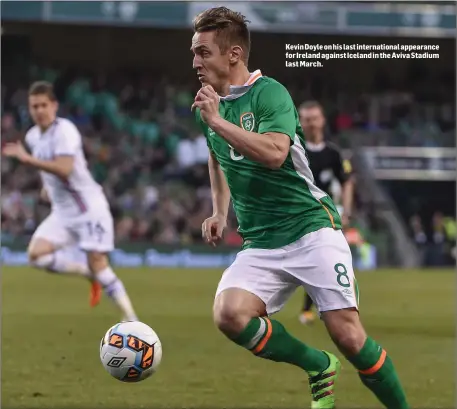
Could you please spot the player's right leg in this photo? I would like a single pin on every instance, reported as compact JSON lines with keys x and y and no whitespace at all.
{"x":322,"y":260}
{"x":95,"y":235}
{"x":250,"y":290}
{"x":375,"y":367}
{"x":44,"y":249}
{"x":111,"y":283}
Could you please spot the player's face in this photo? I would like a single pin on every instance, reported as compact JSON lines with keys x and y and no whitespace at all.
{"x":212,"y":66}
{"x":312,"y":121}
{"x":42,"y":110}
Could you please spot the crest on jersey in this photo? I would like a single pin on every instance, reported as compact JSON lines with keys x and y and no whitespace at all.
{"x":247,"y":121}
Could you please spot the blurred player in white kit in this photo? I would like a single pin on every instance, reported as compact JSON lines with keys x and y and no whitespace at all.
{"x":80,"y":211}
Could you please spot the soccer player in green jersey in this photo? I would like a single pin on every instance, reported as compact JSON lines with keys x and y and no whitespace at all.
{"x":291,"y":230}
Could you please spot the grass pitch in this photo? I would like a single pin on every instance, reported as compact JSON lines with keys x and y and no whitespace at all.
{"x":50,"y":343}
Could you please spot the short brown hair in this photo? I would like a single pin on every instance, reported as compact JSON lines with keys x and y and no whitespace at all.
{"x":43,"y":88}
{"x":230,"y":26}
{"x":310,"y":105}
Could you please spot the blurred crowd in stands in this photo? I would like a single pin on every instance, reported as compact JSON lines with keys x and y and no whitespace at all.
{"x":139,"y":132}
{"x":131,"y":158}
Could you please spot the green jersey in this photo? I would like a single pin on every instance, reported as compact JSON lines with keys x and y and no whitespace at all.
{"x":273,"y":207}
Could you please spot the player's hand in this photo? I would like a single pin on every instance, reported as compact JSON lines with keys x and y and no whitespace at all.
{"x":212,"y":229}
{"x":44,"y":195}
{"x":15,"y":150}
{"x":208,"y":102}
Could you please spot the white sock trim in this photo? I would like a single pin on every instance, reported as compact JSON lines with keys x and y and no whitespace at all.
{"x":106,"y":276}
{"x":258,"y":336}
{"x":114,"y":289}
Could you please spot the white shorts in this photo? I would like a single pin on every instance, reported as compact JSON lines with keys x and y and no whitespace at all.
{"x":320,"y":261}
{"x":92,"y":231}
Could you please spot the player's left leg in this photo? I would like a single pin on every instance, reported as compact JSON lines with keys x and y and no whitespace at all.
{"x":375,"y":367}
{"x":334,"y":288}
{"x":46,"y":249}
{"x":95,"y":232}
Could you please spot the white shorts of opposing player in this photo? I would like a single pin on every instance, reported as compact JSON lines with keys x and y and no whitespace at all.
{"x":320,"y":261}
{"x":92,"y":231}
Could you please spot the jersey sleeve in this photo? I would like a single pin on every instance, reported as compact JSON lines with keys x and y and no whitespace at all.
{"x":68,"y":140}
{"x":342,"y":168}
{"x":276,"y":111}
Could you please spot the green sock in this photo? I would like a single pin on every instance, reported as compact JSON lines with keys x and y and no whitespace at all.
{"x":378,"y":374}
{"x":269,"y":339}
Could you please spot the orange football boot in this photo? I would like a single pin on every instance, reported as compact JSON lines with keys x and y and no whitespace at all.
{"x":95,"y":293}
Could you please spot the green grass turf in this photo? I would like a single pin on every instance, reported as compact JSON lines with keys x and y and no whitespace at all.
{"x":51,"y":337}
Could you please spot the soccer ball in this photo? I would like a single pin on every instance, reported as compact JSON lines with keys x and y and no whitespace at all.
{"x":131,"y":351}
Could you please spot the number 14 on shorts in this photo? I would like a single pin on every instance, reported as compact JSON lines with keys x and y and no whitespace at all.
{"x":95,"y":229}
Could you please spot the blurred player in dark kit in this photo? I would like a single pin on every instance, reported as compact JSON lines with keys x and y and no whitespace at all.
{"x":326,"y":163}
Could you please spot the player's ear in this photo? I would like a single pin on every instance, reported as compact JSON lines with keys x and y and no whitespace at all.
{"x":236,"y":54}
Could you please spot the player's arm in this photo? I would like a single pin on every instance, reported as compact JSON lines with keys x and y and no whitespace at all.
{"x":66,"y":146}
{"x":276,"y":125}
{"x":219,"y":188}
{"x":61,"y":165}
{"x":269,"y":148}
{"x":347,"y":197}
{"x":343,"y":172}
